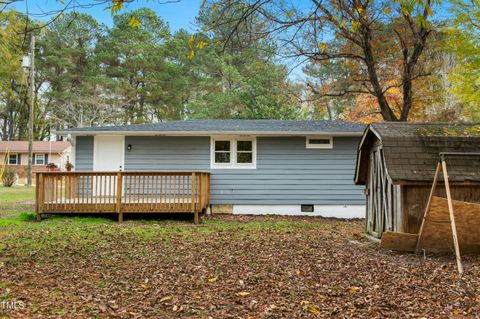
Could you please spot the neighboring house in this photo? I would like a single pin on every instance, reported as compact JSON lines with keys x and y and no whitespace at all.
{"x":44,"y":152}
{"x":256,"y":166}
{"x":397,"y":163}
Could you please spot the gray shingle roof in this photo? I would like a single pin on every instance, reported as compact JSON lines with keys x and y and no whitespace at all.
{"x":411,"y":150}
{"x":231,"y":126}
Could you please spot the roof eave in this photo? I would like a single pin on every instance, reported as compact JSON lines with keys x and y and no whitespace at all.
{"x":206,"y":133}
{"x":364,"y":134}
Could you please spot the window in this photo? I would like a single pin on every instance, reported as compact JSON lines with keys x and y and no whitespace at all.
{"x":13,"y":159}
{"x":245,"y":152}
{"x":319,"y":142}
{"x":39,"y":159}
{"x":222,"y":152}
{"x":233,"y":153}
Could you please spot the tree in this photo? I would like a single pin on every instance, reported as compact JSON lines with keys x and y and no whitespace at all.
{"x":361,"y":26}
{"x":244,"y":79}
{"x":465,"y":45}
{"x":323,"y":77}
{"x":13,"y":81}
{"x":70,"y":72}
{"x":134,"y":62}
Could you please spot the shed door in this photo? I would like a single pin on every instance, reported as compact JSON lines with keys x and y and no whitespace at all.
{"x":376,"y":195}
{"x":108,"y":153}
{"x":371,"y":212}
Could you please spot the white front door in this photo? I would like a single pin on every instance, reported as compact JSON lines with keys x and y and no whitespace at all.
{"x":108,"y":153}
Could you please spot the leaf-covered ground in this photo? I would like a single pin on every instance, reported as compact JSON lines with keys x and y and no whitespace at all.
{"x":229,"y":267}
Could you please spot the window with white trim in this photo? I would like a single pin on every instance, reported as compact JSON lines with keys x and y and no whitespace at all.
{"x":39,"y":159}
{"x":319,"y":142}
{"x":13,"y":159}
{"x":235,"y":152}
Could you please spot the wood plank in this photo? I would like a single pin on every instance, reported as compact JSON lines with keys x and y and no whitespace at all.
{"x":452,"y":218}
{"x":118,"y":197}
{"x":437,"y":233}
{"x":194,"y":182}
{"x":432,"y":191}
{"x":398,"y":241}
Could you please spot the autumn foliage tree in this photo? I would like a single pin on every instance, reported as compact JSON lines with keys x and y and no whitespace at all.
{"x":464,"y":42}
{"x":360,"y":28}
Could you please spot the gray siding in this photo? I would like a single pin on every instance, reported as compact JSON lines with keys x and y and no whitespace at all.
{"x":84,"y":153}
{"x":287,"y":172}
{"x":151,"y":153}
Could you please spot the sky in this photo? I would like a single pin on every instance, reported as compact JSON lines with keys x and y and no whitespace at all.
{"x":177,"y":13}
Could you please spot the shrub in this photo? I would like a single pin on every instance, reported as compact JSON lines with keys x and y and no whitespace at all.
{"x":9,"y":177}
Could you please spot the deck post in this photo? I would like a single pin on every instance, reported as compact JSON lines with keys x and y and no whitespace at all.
{"x":118,"y":197}
{"x":194,"y":185}
{"x":196,"y":218}
{"x":39,"y":198}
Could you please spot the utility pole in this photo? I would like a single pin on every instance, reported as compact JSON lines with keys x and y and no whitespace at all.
{"x":31,"y":114}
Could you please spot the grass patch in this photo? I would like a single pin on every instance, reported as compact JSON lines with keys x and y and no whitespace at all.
{"x":16,"y":194}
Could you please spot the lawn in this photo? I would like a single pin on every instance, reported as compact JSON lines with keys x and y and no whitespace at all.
{"x":228,"y":267}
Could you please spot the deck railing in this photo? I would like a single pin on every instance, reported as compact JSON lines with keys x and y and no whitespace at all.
{"x":122,"y":192}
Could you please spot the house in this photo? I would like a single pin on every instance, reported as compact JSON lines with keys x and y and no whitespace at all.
{"x":255,"y":166}
{"x":397,"y":162}
{"x":44,"y":152}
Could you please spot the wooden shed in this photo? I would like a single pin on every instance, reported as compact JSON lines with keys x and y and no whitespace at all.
{"x":397,"y":161}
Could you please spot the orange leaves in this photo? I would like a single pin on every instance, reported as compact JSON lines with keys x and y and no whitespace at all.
{"x":134,"y":22}
{"x":309,"y":307}
{"x":322,"y":46}
{"x":354,"y":26}
{"x":365,"y":110}
{"x":192,"y":45}
{"x":190,"y":54}
{"x":191,"y":41}
{"x":202,"y":44}
{"x":212,"y":279}
{"x":117,"y":6}
{"x":354,"y":289}
{"x":243,"y":293}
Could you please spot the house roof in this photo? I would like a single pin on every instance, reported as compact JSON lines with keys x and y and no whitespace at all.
{"x":38,"y":146}
{"x":411,"y":150}
{"x":208,"y":127}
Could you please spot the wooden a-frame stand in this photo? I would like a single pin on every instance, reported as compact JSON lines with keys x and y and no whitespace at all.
{"x":442,"y":167}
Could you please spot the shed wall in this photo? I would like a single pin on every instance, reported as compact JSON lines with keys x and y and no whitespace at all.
{"x":415,"y":199}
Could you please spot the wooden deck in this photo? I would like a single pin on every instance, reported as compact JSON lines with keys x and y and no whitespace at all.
{"x":122,"y":192}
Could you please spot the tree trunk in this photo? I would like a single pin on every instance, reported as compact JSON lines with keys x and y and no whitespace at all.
{"x":385,"y":109}
{"x":407,"y":98}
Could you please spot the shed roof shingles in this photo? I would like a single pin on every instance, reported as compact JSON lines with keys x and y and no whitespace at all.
{"x":412,"y":150}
